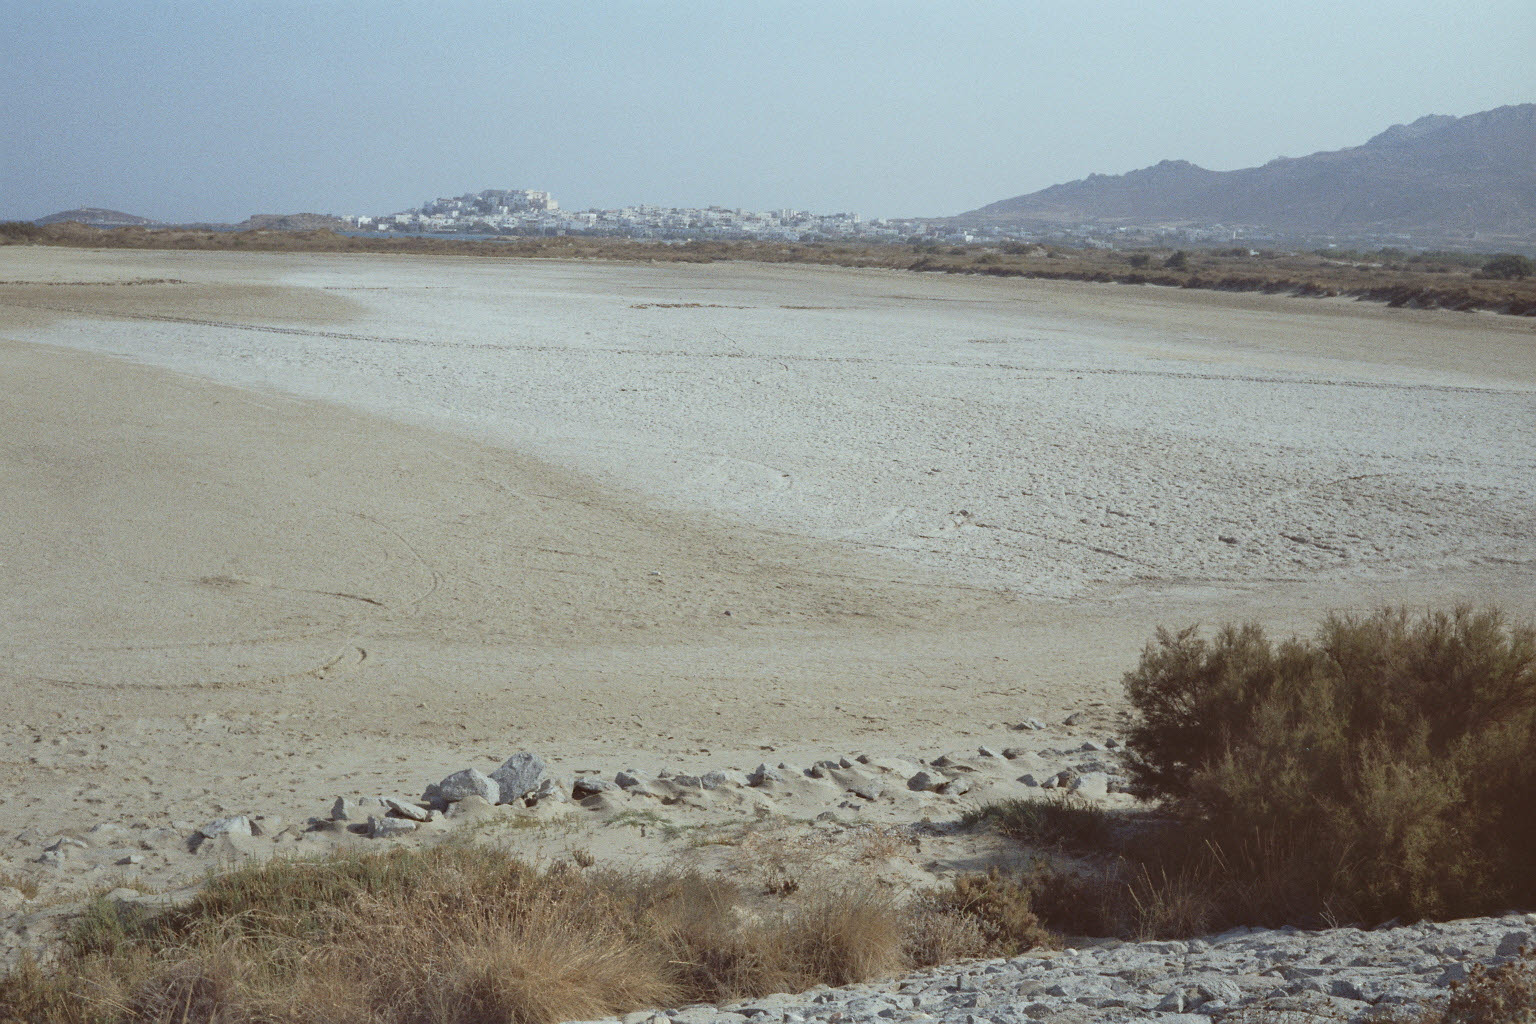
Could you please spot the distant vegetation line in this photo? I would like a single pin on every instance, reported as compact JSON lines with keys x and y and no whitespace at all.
{"x":1454,"y":281}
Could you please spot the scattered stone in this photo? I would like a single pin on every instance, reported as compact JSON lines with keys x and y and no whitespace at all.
{"x":722,"y":779}
{"x":986,"y":751}
{"x":764,"y":774}
{"x":386,"y":828}
{"x":926,"y":782}
{"x":629,"y":780}
{"x":466,"y":783}
{"x":401,"y":809}
{"x":587,"y":785}
{"x":237,"y":825}
{"x":957,"y":787}
{"x":517,"y":776}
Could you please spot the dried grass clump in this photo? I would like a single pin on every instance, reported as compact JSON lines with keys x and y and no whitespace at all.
{"x":454,"y":933}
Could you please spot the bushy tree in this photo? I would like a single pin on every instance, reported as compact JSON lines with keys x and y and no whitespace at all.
{"x":1393,"y":755}
{"x":1509,"y":266}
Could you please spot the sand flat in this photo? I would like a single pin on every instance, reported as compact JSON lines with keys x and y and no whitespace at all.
{"x":295,"y":523}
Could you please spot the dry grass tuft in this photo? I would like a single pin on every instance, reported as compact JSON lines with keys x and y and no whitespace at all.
{"x":454,"y":933}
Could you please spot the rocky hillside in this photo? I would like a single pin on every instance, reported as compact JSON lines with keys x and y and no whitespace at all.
{"x":94,"y":216}
{"x":1439,"y":176}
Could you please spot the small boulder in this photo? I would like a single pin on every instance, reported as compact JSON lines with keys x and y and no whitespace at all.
{"x":925,"y":782}
{"x":722,"y":779}
{"x":518,"y":775}
{"x":957,"y":786}
{"x":386,"y":828}
{"x":764,"y":774}
{"x":467,"y":783}
{"x":590,"y":785}
{"x":401,"y":809}
{"x":236,"y":825}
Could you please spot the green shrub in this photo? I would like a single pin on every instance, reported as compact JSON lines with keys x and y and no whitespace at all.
{"x":1509,"y":265}
{"x":1389,"y":757}
{"x":1178,"y":261}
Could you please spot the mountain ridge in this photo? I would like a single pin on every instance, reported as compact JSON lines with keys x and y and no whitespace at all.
{"x":1439,"y":175}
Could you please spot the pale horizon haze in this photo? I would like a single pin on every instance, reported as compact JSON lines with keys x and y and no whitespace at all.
{"x":214,"y":112}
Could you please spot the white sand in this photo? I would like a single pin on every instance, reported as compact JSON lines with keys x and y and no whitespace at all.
{"x":1044,"y":439}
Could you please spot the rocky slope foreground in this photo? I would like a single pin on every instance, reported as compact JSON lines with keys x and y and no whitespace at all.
{"x":888,"y":820}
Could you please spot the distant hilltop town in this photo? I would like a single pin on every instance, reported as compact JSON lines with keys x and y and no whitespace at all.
{"x":531,"y":212}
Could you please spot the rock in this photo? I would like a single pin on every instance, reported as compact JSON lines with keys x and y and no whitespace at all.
{"x":131,"y":860}
{"x":1092,"y":786}
{"x":1030,"y":780}
{"x":629,"y":780}
{"x":957,"y":787}
{"x":687,"y":781}
{"x":1076,"y":718}
{"x":986,"y":751}
{"x":517,"y":776}
{"x":1219,"y":990}
{"x":722,"y":779}
{"x":1028,"y":724}
{"x":1014,"y":753}
{"x":467,"y":783}
{"x":867,"y":789}
{"x":926,"y":782}
{"x":237,"y":825}
{"x":386,"y":828}
{"x":1513,"y":942}
{"x":762,"y":774}
{"x":589,"y":785}
{"x":401,"y":809}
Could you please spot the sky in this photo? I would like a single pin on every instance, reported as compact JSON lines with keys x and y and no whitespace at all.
{"x":215,"y":111}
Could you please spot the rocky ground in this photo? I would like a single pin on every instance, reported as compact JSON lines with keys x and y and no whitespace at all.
{"x":1278,"y":976}
{"x":889,"y":819}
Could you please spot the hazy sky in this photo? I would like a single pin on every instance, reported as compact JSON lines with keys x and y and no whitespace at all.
{"x":216,"y":110}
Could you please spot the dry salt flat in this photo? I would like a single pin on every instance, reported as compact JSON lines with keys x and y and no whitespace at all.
{"x":1049,"y":441}
{"x":280,"y":528}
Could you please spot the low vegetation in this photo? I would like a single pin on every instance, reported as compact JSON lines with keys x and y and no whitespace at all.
{"x":1457,"y":281}
{"x":1380,"y":769}
{"x":461,"y":933}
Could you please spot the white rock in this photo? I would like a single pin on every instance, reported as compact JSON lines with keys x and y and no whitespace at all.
{"x":385,"y":828}
{"x":469,"y":782}
{"x":518,"y":776}
{"x":237,"y":825}
{"x":406,"y":810}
